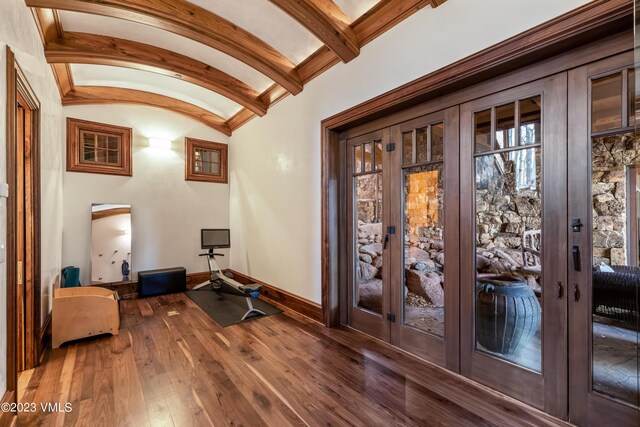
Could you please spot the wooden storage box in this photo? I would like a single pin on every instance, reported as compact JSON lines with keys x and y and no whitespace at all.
{"x":83,"y":312}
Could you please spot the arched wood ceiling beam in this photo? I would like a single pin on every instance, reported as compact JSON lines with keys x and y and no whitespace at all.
{"x":83,"y":48}
{"x":90,"y":95}
{"x":188,"y":20}
{"x":327,"y":22}
{"x":49,"y":26}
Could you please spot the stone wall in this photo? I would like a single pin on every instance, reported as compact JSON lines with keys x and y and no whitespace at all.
{"x":610,"y":157}
{"x":368,"y":195}
{"x":508,"y":203}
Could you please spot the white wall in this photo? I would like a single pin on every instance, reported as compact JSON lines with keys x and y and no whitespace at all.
{"x":19,"y":32}
{"x":275,"y":160}
{"x":167,"y":212}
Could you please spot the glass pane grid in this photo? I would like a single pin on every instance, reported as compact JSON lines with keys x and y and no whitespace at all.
{"x":508,"y":217}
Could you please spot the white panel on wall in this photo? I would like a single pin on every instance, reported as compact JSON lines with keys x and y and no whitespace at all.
{"x":102,"y":75}
{"x":119,"y":28}
{"x":167,"y":212}
{"x":275,"y":160}
{"x":18,"y":31}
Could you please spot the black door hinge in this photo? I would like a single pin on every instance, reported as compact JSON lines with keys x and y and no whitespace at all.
{"x":391,"y":229}
{"x":391,"y":147}
{"x":391,"y":317}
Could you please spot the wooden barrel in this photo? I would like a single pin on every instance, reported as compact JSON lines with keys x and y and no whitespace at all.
{"x":507,"y":314}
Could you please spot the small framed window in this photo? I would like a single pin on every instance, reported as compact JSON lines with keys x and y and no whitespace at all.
{"x":206,"y":161}
{"x":98,"y":148}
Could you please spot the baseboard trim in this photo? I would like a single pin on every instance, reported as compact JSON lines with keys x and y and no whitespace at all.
{"x":7,"y":418}
{"x":282,"y":299}
{"x":44,"y":338}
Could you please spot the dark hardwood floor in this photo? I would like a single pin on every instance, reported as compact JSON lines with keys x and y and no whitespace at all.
{"x":172,"y":365}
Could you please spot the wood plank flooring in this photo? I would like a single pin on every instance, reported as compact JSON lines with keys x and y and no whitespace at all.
{"x":185,"y":370}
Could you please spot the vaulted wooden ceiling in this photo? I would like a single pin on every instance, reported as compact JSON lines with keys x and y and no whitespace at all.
{"x":221,"y":62}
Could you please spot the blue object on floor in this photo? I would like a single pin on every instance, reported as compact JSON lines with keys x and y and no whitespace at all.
{"x":71,"y":277}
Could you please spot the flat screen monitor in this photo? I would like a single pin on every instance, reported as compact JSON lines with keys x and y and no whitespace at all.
{"x":213,"y":238}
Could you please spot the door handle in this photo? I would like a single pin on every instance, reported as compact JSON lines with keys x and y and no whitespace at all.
{"x":575,"y":252}
{"x":576,"y":292}
{"x":386,"y":240}
{"x":560,"y":290}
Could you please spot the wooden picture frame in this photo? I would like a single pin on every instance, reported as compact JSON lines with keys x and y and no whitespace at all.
{"x":75,"y":159}
{"x":191,"y":162}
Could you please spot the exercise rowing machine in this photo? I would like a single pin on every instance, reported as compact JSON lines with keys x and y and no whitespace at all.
{"x":221,"y":283}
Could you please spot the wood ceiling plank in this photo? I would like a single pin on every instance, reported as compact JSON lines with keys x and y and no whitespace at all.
{"x":327,"y":22}
{"x":96,"y":95}
{"x":83,"y":48}
{"x":188,"y":20}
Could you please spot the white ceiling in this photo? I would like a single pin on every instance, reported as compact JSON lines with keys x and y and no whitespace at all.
{"x":267,"y":22}
{"x":102,"y":75}
{"x":113,"y":27}
{"x":261,"y":18}
{"x":354,"y":9}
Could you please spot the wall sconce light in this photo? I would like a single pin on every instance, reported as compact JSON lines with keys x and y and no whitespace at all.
{"x":161,"y":144}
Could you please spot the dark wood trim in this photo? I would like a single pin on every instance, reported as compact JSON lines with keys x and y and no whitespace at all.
{"x":109,"y":212}
{"x":44,"y":338}
{"x":593,"y":21}
{"x":196,"y":23}
{"x":590,"y":23}
{"x":189,"y":152}
{"x":12,"y":267}
{"x":74,"y":147}
{"x":83,"y":48}
{"x":99,"y":95}
{"x":281,"y":298}
{"x":8,"y":418}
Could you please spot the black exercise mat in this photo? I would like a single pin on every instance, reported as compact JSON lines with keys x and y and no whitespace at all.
{"x":228,"y":309}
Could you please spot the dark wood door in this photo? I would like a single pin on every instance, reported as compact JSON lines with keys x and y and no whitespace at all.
{"x":424,"y":266}
{"x":368,"y":249}
{"x":513,"y":242}
{"x":604,"y":150}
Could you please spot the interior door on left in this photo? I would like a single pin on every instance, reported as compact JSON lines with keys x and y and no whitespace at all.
{"x":368,"y":240}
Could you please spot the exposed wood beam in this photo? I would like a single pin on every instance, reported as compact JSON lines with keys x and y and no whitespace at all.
{"x":436,"y":3}
{"x":50,"y":28}
{"x":186,"y":19}
{"x":64,"y":79}
{"x":327,"y":22}
{"x":382,"y":17}
{"x":83,"y":48}
{"x":99,"y":214}
{"x":89,"y":95}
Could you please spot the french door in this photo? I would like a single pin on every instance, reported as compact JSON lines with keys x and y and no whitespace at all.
{"x":603,"y":201}
{"x":500,"y":238}
{"x":513,"y":242}
{"x":404,"y":264}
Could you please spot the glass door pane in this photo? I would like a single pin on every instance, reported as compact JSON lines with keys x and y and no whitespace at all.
{"x":616,"y":272}
{"x":368,"y":241}
{"x":513,"y":238}
{"x":368,"y":295}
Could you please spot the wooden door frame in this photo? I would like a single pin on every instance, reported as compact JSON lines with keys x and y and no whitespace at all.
{"x":369,"y":322}
{"x":17,"y":84}
{"x":601,"y":23}
{"x":547,"y":389}
{"x":584,"y":404}
{"x":442,"y":350}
